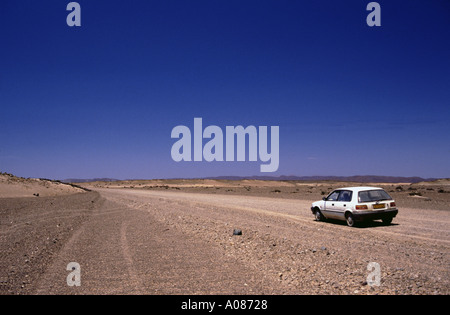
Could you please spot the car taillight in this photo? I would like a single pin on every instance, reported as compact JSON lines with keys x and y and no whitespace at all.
{"x":361,"y":207}
{"x":392,"y":204}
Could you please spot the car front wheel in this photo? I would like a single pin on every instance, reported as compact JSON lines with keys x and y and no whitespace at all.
{"x":318,"y":215}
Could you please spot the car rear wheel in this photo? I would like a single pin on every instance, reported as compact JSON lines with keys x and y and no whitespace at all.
{"x":387,"y":221}
{"x":350,"y":220}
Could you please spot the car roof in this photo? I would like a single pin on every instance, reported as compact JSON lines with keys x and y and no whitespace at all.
{"x":360,"y":188}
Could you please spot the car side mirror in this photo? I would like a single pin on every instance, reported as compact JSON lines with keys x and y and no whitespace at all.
{"x":324,"y":198}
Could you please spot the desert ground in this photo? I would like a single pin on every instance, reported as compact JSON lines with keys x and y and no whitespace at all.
{"x":167,"y":237}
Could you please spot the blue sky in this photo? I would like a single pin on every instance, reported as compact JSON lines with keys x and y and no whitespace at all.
{"x":101,"y":100}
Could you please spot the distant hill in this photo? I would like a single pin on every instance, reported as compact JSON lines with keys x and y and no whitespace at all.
{"x":81,"y":180}
{"x":356,"y":178}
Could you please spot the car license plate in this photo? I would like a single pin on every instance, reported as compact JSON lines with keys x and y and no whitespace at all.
{"x":379,"y":206}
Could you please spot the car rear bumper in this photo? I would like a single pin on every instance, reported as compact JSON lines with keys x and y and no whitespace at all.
{"x":374,"y":214}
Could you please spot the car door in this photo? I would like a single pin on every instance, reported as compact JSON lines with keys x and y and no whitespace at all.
{"x":330,"y":206}
{"x":340,"y":205}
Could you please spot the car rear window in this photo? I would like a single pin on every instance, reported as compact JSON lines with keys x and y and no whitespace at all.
{"x":373,"y":195}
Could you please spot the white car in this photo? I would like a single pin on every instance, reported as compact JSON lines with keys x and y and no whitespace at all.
{"x":355,"y":204}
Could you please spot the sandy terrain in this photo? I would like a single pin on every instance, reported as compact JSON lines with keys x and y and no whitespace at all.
{"x":426,"y":195}
{"x":13,"y":187}
{"x":176,"y":237}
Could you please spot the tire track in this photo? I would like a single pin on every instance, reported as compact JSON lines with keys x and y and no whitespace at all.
{"x":135,"y":279}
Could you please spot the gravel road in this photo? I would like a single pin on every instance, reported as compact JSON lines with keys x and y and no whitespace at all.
{"x":131,"y":241}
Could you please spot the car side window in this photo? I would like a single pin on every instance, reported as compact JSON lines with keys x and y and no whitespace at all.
{"x":345,"y":195}
{"x":333,"y":196}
